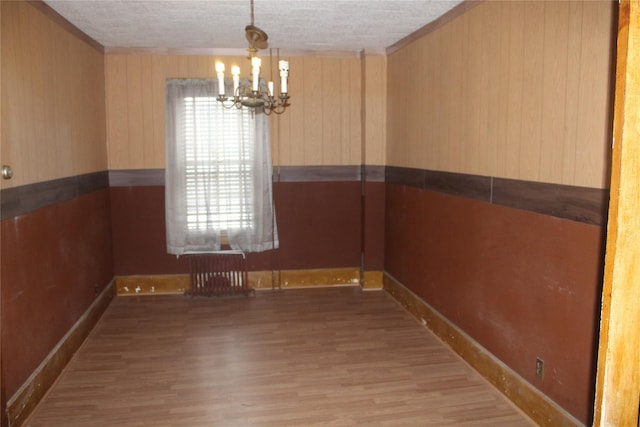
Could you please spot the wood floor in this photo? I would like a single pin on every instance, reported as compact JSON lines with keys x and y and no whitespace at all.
{"x":310,"y":357}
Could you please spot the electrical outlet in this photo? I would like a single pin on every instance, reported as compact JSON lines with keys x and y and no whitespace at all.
{"x":539,"y":368}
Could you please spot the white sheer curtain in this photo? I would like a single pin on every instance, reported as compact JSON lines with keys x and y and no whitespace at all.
{"x":218,"y":173}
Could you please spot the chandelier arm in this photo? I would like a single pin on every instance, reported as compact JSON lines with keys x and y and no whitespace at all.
{"x":234,"y":102}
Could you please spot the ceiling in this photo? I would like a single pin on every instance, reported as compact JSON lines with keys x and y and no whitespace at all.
{"x":319,"y":25}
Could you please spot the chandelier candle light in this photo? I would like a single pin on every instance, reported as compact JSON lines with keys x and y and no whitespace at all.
{"x":254,"y":96}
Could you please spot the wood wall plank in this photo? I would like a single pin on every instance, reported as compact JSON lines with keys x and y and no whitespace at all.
{"x":344,"y":99}
{"x":331,"y":86}
{"x":572,"y":92}
{"x":397,"y":108}
{"x":413,"y":84}
{"x":501,"y":112}
{"x":117,"y":111}
{"x":533,"y":67}
{"x":375,"y":105}
{"x":296,"y":115}
{"x":515,"y":96}
{"x":158,"y":80}
{"x":456,"y":95}
{"x":522,"y":91}
{"x":355,"y":113}
{"x":593,"y":159}
{"x":147,"y":111}
{"x":492,"y":109}
{"x":435,"y":91}
{"x":135,"y":107}
{"x":556,"y":16}
{"x":312,"y":135}
{"x":474,"y":32}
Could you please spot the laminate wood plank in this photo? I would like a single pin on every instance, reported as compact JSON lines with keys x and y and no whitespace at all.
{"x":328,"y":356}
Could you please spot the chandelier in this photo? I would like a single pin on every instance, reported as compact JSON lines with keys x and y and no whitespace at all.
{"x":253,"y":94}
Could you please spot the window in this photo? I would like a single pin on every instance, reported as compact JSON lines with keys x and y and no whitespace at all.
{"x":211,"y":149}
{"x":218,"y":174}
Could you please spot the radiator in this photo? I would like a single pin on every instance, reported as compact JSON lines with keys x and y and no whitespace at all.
{"x":218,"y":274}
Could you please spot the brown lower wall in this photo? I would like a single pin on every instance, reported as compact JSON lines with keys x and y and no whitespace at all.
{"x":319,"y":225}
{"x":374,"y":202}
{"x":522,"y":284}
{"x":55,"y":261}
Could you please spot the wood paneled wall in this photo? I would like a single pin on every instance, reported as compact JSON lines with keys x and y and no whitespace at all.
{"x":53,"y":106}
{"x":510,"y":89}
{"x":322,"y":126}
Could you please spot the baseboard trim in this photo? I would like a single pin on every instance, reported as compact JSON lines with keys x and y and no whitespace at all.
{"x":152,"y":284}
{"x":24,"y":401}
{"x":179,"y":283}
{"x":529,"y":399}
{"x":372,"y":280}
{"x":304,"y":278}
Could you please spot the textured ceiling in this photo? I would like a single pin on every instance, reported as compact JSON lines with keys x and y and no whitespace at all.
{"x":335,"y":25}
